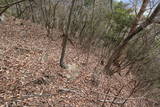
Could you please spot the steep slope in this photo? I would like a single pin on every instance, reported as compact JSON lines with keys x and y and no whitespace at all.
{"x":30,"y":74}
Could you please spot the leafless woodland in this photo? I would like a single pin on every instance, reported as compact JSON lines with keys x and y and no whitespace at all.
{"x":80,"y":53}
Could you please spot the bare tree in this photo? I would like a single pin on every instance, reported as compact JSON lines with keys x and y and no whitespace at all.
{"x":5,"y":7}
{"x":135,"y":29}
{"x":65,"y":36}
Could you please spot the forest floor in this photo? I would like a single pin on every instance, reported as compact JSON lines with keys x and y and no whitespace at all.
{"x":30,"y":74}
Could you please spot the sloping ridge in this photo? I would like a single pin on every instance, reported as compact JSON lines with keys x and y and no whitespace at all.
{"x":30,"y":74}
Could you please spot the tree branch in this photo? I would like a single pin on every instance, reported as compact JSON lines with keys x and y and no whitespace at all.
{"x":9,"y":5}
{"x":139,"y":15}
{"x":117,"y":52}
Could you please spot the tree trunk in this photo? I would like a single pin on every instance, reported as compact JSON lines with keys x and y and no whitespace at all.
{"x":65,"y":35}
{"x":134,"y":30}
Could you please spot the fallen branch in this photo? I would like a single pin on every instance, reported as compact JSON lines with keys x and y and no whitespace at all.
{"x":122,"y":102}
{"x":27,"y":97}
{"x":132,"y":92}
{"x":105,"y":97}
{"x":131,"y":98}
{"x":65,"y":90}
{"x":111,"y":101}
{"x":117,"y":95}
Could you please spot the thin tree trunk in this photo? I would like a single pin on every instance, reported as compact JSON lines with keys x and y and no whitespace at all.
{"x":54,"y":13}
{"x":32,"y":16}
{"x":64,"y":43}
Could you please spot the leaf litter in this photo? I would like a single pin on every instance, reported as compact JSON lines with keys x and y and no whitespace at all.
{"x":30,"y":74}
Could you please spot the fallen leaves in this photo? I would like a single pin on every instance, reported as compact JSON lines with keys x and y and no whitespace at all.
{"x":30,"y":74}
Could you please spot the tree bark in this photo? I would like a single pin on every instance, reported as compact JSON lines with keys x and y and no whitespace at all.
{"x":134,"y":30}
{"x":64,"y":43}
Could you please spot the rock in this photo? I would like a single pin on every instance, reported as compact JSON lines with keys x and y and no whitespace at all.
{"x":75,"y":75}
{"x":2,"y":18}
{"x":68,"y":76}
{"x":72,"y":67}
{"x":72,"y":75}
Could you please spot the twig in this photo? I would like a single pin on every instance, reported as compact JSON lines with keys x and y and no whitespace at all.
{"x":29,"y":96}
{"x":133,"y":91}
{"x":111,"y":101}
{"x":105,"y":98}
{"x":64,"y":90}
{"x":9,"y":5}
{"x":117,"y":95}
{"x":131,"y":98}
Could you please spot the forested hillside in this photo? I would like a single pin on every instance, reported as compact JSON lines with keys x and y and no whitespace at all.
{"x":80,"y":53}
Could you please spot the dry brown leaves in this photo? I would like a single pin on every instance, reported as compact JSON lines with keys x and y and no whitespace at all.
{"x":30,"y":74}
